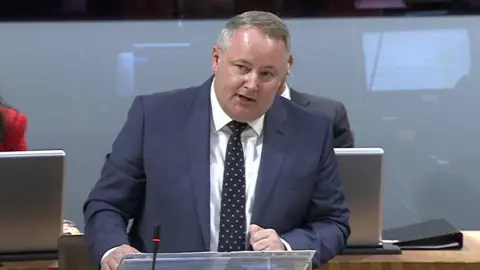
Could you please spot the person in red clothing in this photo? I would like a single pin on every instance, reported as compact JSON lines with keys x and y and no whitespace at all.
{"x":13,"y":125}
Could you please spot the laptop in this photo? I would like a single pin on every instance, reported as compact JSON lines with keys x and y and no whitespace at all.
{"x":31,"y":203}
{"x":361,"y":177}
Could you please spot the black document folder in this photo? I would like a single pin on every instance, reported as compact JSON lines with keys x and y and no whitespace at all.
{"x":429,"y":235}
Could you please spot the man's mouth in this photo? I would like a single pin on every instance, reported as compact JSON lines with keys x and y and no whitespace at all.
{"x":245,"y":98}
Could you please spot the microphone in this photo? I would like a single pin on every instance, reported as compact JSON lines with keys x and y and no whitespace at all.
{"x":156,"y":243}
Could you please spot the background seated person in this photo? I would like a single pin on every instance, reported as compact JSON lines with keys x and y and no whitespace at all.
{"x":335,"y":110}
{"x":13,"y":125}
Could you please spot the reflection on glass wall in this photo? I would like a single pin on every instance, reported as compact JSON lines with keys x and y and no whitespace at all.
{"x":208,"y":9}
{"x":427,"y":59}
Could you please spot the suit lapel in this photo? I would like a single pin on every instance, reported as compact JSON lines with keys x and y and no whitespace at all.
{"x":275,"y":142}
{"x":197,"y":142}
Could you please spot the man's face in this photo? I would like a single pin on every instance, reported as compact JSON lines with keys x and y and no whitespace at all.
{"x":249,"y":73}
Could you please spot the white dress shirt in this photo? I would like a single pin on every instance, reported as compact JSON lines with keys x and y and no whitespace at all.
{"x":286,"y":92}
{"x":252,"y":141}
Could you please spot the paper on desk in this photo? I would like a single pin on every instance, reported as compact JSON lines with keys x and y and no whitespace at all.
{"x":432,"y":247}
{"x":385,"y":241}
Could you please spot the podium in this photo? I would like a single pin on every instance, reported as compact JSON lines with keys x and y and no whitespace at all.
{"x":244,"y":260}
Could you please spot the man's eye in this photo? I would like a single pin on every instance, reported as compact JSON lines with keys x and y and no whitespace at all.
{"x":267,"y":74}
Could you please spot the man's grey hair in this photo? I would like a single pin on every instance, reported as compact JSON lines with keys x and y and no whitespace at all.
{"x":269,"y":24}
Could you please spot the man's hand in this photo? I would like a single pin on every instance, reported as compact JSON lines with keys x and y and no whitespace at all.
{"x":265,"y":239}
{"x":112,"y":260}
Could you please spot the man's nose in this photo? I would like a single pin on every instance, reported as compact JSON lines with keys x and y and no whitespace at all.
{"x":251,"y":81}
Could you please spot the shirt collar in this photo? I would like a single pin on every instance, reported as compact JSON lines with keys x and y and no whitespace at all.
{"x":286,"y":92}
{"x":221,"y":119}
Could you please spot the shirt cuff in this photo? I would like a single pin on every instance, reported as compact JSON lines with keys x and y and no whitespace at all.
{"x":108,"y":252}
{"x":287,"y":246}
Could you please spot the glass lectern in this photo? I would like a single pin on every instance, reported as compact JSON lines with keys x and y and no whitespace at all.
{"x":245,"y":260}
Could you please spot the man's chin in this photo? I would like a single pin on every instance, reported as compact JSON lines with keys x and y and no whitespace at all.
{"x":244,"y":116}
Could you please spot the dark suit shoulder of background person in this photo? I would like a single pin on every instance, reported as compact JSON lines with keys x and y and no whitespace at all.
{"x":13,"y":125}
{"x":343,"y":135}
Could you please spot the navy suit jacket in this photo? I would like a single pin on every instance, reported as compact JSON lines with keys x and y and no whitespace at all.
{"x":158,"y":172}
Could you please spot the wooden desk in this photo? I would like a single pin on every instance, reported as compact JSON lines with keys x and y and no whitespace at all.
{"x":44,"y":265}
{"x":466,"y":259}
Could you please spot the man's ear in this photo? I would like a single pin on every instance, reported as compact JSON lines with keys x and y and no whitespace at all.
{"x":289,"y":64}
{"x":216,"y":52}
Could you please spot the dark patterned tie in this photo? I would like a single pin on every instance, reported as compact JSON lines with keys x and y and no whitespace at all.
{"x":232,"y":211}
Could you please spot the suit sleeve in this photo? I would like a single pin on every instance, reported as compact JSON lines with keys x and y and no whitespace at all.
{"x":326,"y":228}
{"x":116,"y":197}
{"x":342,"y":131}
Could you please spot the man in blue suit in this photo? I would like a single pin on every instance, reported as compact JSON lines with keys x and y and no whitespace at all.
{"x":225,"y":166}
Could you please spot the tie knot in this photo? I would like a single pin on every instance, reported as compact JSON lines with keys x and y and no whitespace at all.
{"x":236,"y":127}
